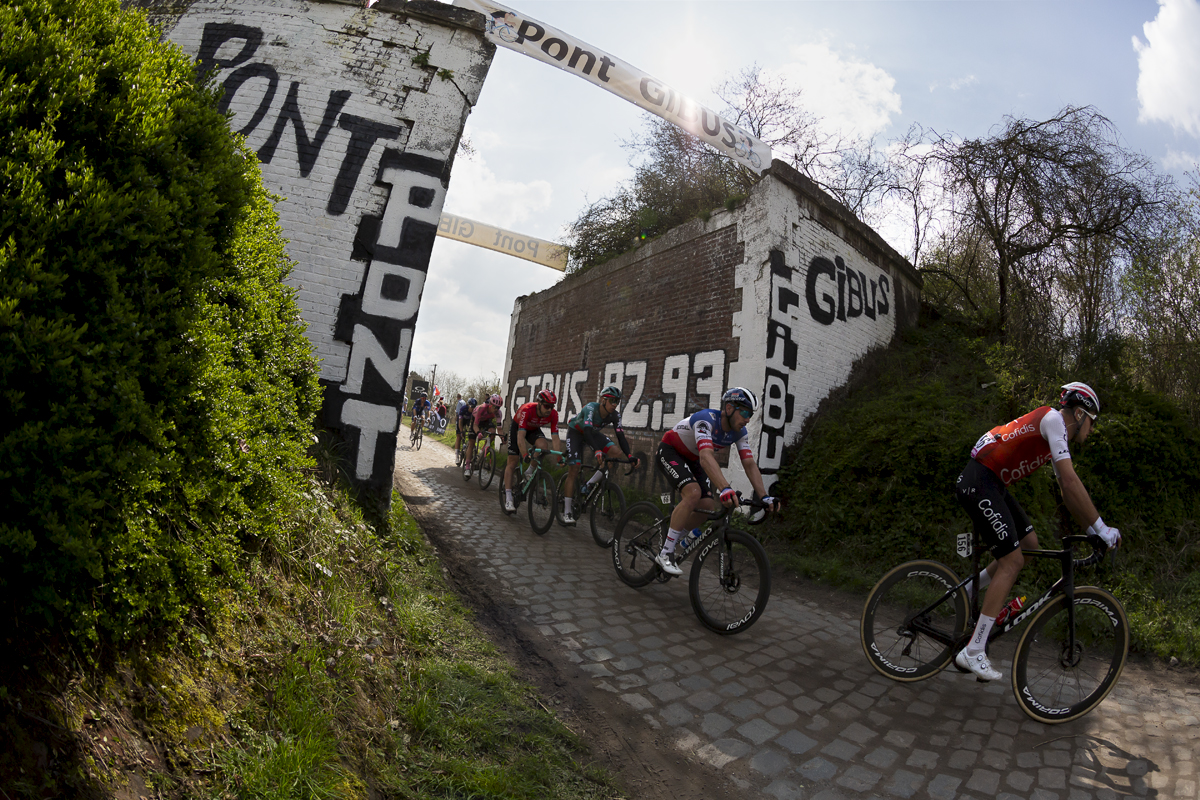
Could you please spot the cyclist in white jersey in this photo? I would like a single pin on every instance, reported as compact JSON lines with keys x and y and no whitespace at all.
{"x":687,"y":457}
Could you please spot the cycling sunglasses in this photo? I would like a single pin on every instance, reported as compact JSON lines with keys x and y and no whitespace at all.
{"x":746,"y":411}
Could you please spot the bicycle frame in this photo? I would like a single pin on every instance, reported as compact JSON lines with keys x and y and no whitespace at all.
{"x":1065,"y":585}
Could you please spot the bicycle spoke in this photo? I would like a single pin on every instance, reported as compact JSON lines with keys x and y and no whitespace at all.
{"x":902,"y":643}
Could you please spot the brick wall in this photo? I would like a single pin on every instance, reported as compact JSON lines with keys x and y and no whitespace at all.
{"x":355,"y":114}
{"x":780,"y":296}
{"x":585,"y":329}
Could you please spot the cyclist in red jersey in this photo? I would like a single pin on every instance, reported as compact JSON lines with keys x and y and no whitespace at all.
{"x":1001,"y":457}
{"x":526,"y":432}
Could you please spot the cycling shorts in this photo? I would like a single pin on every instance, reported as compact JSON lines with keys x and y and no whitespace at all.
{"x":679,"y":471}
{"x":531,"y":436}
{"x":588,"y":437}
{"x":996,"y":515}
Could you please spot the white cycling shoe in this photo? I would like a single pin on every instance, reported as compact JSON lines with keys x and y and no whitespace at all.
{"x":568,"y":520}
{"x":667,"y":563}
{"x":510,"y":507}
{"x":977,"y":664}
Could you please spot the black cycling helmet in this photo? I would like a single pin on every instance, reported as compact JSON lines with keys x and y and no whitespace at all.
{"x":740,"y":397}
{"x":1082,"y":395}
{"x":613,"y":392}
{"x":472,"y":402}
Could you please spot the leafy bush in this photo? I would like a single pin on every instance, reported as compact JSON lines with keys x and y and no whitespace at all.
{"x":870,"y":483}
{"x":157,"y":390}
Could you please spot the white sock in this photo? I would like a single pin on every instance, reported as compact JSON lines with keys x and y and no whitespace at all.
{"x":596,"y":476}
{"x":672,"y":537}
{"x":567,"y":504}
{"x":979,"y":639}
{"x":508,"y":495}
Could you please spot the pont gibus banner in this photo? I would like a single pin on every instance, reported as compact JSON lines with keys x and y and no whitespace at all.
{"x":539,"y":251}
{"x":511,"y":29}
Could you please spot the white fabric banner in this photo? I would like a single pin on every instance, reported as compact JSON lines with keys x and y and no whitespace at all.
{"x":539,"y":251}
{"x":510,"y":29}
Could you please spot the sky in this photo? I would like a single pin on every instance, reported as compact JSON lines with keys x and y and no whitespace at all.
{"x":547,"y":143}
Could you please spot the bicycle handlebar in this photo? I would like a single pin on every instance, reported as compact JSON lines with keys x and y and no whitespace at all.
{"x":622,"y":460}
{"x":1099,"y":548}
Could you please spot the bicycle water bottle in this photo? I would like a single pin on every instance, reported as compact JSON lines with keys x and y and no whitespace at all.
{"x":687,"y":540}
{"x":1014,"y":605}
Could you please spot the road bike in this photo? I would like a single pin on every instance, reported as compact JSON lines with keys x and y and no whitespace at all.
{"x":1068,"y":659}
{"x":603,"y":501}
{"x":483,"y":463}
{"x":416,"y":432}
{"x":536,"y":488}
{"x":730,"y":579}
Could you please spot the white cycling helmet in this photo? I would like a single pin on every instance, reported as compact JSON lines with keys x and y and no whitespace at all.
{"x":1079,"y":394}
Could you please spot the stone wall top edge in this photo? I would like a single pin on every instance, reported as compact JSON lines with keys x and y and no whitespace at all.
{"x":676,"y":237}
{"x":805,"y":186}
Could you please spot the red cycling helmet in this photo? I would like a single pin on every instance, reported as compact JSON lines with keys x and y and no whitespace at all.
{"x":1080,"y":394}
{"x":546,"y":396}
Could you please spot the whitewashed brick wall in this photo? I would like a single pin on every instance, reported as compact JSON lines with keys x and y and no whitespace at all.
{"x":355,"y":114}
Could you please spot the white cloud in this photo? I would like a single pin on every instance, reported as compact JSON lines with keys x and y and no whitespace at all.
{"x":852,"y":96}
{"x":1180,"y":161}
{"x":476,"y":192}
{"x":1169,"y":66}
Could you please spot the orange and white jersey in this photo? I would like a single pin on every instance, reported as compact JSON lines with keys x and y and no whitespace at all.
{"x":1017,"y":449}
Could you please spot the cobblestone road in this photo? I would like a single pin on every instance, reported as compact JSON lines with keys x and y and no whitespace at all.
{"x":790,"y":708}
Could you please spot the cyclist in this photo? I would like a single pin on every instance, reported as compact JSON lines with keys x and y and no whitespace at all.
{"x":1001,"y":457}
{"x":687,"y":456}
{"x":584,"y":429}
{"x":484,"y":420}
{"x":526,"y":431}
{"x":463,"y":414}
{"x":420,"y":406}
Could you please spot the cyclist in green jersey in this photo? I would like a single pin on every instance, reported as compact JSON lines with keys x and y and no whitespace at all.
{"x":584,"y":429}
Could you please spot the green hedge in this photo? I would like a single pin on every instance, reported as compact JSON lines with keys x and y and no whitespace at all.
{"x":871,"y":482}
{"x":156,"y":389}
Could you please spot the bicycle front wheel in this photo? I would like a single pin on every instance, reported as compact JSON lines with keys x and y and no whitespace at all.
{"x":540,"y":499}
{"x":730,"y":582}
{"x":420,"y":436}
{"x":639,"y":537}
{"x":906,"y":632}
{"x":486,"y":468}
{"x":1056,"y":681}
{"x":607,"y":509}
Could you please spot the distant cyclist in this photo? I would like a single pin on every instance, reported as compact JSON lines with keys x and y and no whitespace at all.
{"x":1001,"y":457}
{"x":584,"y":430}
{"x":486,"y":418}
{"x":526,"y":432}
{"x":687,"y":456}
{"x":420,"y":406}
{"x":464,"y":413}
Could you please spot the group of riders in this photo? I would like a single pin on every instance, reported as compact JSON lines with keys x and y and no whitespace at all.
{"x":687,"y":454}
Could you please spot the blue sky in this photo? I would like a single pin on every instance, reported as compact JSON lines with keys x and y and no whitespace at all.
{"x":547,"y":142}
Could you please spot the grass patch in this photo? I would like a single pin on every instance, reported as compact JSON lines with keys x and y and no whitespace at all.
{"x":346,"y":670}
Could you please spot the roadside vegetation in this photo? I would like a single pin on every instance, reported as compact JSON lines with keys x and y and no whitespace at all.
{"x":190,"y":604}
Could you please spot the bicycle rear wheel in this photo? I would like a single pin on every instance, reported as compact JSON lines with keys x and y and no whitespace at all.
{"x":486,"y":467}
{"x":607,"y":509}
{"x":898,"y":633}
{"x":1057,"y":683}
{"x":638,"y":538}
{"x":540,"y":499}
{"x":730,"y":582}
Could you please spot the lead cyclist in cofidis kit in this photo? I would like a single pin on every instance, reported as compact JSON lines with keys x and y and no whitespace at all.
{"x":1001,"y":457}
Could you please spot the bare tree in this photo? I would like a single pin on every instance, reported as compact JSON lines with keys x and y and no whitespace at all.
{"x":1038,"y":185}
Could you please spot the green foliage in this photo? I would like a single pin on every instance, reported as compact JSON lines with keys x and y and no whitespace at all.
{"x":156,"y":388}
{"x":870,"y":483}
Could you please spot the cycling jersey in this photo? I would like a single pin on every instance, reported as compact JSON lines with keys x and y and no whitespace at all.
{"x":1016,"y":450}
{"x":590,"y":419}
{"x":528,"y":418}
{"x":702,"y":431}
{"x":486,"y":416}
